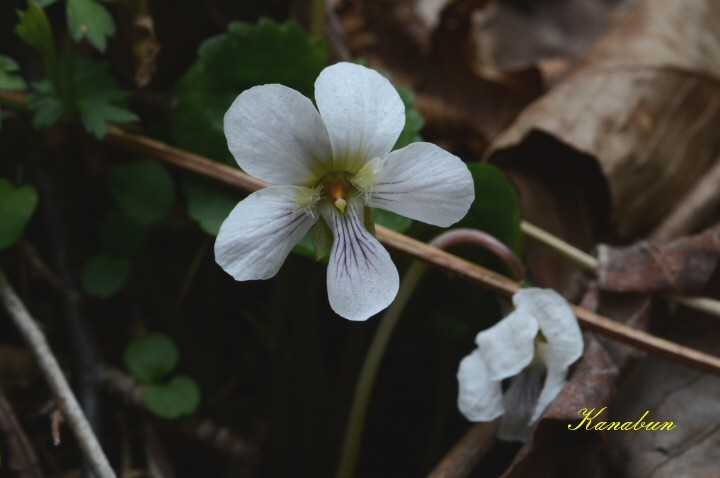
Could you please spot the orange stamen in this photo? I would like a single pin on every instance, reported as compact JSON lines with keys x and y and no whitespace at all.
{"x":336,"y":190}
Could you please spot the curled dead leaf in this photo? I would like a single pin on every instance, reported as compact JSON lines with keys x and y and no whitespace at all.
{"x":683,"y":266}
{"x":644,"y":103}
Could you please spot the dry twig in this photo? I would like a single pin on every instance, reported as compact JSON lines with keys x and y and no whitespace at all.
{"x":461,"y":460}
{"x":56,"y":380}
{"x":419,"y":250}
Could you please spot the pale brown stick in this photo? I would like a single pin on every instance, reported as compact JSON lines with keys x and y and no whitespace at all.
{"x":589,"y":263}
{"x":693,"y":209}
{"x":419,"y":250}
{"x":462,"y":458}
{"x":56,"y":380}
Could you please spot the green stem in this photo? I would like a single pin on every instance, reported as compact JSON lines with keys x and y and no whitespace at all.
{"x":317,"y":19}
{"x":366,"y":381}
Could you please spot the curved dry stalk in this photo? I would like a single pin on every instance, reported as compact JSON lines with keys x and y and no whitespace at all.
{"x":419,"y":250}
{"x":56,"y":380}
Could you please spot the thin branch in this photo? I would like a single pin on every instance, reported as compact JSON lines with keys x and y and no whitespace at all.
{"x":583,"y":259}
{"x":462,"y":459}
{"x":56,"y":380}
{"x":591,"y":264}
{"x":419,"y":250}
{"x":200,"y":429}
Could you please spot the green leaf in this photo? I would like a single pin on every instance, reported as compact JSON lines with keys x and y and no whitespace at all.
{"x":178,"y":398}
{"x":121,"y":235}
{"x":46,"y":3}
{"x":105,"y":275}
{"x":245,"y":56}
{"x":391,"y":220}
{"x":414,"y":121}
{"x":34,"y":29}
{"x":10,"y":79}
{"x":47,"y":107}
{"x":16,"y":208}
{"x":143,"y":190}
{"x":88,"y":19}
{"x":96,"y":98}
{"x":496,"y":209}
{"x":305,"y":247}
{"x":99,"y":100}
{"x":209,"y":205}
{"x":150,"y":359}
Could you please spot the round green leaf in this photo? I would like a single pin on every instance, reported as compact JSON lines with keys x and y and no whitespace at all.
{"x":16,"y":207}
{"x":121,"y":235}
{"x":210,"y":205}
{"x":151,"y":358}
{"x":264,"y":53}
{"x":144,"y":190}
{"x":105,"y":275}
{"x":177,"y":398}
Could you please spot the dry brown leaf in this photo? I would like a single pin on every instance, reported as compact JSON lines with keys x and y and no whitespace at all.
{"x":683,"y":266}
{"x":463,"y":105}
{"x":645,"y":104}
{"x":554,"y":450}
{"x":512,"y":35}
{"x":671,"y":392}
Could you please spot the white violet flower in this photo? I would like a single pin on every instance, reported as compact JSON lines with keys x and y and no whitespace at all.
{"x":535,"y":344}
{"x":330,"y":164}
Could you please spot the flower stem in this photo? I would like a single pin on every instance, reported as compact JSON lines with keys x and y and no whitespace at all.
{"x":317,"y":19}
{"x":368,"y":374}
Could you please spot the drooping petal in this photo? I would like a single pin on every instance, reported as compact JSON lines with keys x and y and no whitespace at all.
{"x":363,"y":113}
{"x":259,"y":233}
{"x":555,"y":378}
{"x":508,"y":346}
{"x":520,"y":401}
{"x":479,"y":396}
{"x":557,"y":322}
{"x":424,"y":182}
{"x":277,"y":135}
{"x":361,"y":278}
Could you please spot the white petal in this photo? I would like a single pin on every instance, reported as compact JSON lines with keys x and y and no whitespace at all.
{"x":276,"y":135}
{"x":424,"y":182}
{"x":555,"y":379}
{"x":361,"y":278}
{"x":557,"y":322}
{"x":259,"y":233}
{"x":479,"y":396}
{"x":508,"y":346}
{"x":363,"y":113}
{"x":520,"y":401}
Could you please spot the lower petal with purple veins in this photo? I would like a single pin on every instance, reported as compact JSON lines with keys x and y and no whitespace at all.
{"x":362,"y":279}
